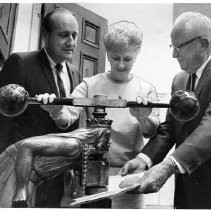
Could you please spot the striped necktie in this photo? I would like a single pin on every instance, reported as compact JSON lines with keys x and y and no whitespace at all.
{"x":59,"y":80}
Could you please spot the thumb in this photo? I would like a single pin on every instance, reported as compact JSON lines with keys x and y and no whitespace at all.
{"x":124,"y":184}
{"x":124,"y":170}
{"x":120,"y":171}
{"x":143,"y":188}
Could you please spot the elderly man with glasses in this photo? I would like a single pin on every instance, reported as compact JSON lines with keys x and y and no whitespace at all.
{"x":191,"y":160}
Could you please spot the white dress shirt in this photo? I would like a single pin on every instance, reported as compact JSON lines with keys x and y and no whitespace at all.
{"x":64,"y":75}
{"x":64,"y":119}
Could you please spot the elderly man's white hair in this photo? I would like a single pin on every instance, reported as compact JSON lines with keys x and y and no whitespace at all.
{"x":197,"y":23}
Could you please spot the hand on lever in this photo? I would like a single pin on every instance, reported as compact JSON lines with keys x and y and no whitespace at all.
{"x":54,"y":110}
{"x":141,"y":113}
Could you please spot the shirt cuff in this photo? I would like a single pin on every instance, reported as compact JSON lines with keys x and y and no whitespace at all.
{"x":146,"y":159}
{"x":58,"y":116}
{"x":181,"y":169}
{"x":62,"y":121}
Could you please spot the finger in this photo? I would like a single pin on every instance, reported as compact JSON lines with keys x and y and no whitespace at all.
{"x":39,"y":97}
{"x":149,"y":100}
{"x":121,"y":171}
{"x":124,"y":184}
{"x":51,"y":98}
{"x":146,"y":185}
{"x":133,"y":181}
{"x":145,"y":189}
{"x":45,"y":98}
{"x":134,"y":191}
{"x":139,"y":100}
{"x":142,"y":189}
{"x":124,"y":169}
{"x":145,"y":100}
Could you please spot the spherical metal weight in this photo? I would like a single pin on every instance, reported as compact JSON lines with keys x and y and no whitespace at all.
{"x":184,"y":105}
{"x":13,"y":100}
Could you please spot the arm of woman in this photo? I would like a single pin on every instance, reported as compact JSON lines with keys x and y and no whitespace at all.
{"x":147,"y":117}
{"x":150,"y":123}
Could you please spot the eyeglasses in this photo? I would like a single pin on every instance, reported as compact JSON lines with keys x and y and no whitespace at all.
{"x":179,"y":46}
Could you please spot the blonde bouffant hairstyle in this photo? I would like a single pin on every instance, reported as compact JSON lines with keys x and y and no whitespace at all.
{"x":123,"y":34}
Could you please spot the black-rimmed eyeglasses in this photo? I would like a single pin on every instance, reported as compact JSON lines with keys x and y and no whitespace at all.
{"x":179,"y":46}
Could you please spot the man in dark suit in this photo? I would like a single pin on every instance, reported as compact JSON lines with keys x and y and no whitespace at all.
{"x":191,"y":160}
{"x":38,"y":73}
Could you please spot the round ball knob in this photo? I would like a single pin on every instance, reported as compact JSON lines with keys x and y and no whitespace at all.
{"x":13,"y":100}
{"x":184,"y":105}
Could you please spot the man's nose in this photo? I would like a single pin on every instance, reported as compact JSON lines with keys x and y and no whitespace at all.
{"x":71,"y":40}
{"x":121,"y":63}
{"x":175,"y":52}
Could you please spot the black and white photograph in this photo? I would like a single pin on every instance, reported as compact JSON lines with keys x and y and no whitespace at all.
{"x":105,"y":104}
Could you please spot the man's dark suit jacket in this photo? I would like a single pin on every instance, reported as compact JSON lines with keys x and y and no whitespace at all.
{"x":32,"y":71}
{"x":193,"y":145}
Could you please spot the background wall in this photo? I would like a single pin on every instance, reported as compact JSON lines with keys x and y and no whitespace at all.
{"x":197,"y":7}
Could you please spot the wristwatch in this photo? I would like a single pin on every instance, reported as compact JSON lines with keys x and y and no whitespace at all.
{"x":174,"y":165}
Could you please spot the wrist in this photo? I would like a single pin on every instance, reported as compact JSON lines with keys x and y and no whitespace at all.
{"x":142,"y":120}
{"x":173,"y":165}
{"x":56,"y":115}
{"x":142,"y":162}
{"x":142,"y":157}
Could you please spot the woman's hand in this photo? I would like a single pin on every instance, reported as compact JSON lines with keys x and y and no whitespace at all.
{"x":141,"y":113}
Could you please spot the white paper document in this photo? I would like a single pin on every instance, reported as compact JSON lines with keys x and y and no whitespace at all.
{"x":113,"y":189}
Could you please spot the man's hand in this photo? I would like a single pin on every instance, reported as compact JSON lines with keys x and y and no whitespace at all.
{"x":54,"y":110}
{"x":141,"y":113}
{"x":135,"y":165}
{"x":153,"y":179}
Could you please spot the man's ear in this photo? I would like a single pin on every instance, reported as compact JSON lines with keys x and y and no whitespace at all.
{"x":204,"y":43}
{"x":44,"y":35}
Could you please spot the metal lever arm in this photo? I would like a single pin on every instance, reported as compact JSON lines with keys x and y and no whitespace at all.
{"x":14,"y":99}
{"x":84,"y":102}
{"x":98,"y":102}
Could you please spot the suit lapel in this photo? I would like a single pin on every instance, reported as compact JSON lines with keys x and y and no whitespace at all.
{"x":69,"y":71}
{"x":203,"y":79}
{"x":47,"y":70}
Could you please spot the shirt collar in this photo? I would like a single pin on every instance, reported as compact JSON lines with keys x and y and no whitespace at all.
{"x":201,"y":68}
{"x":52,"y":63}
